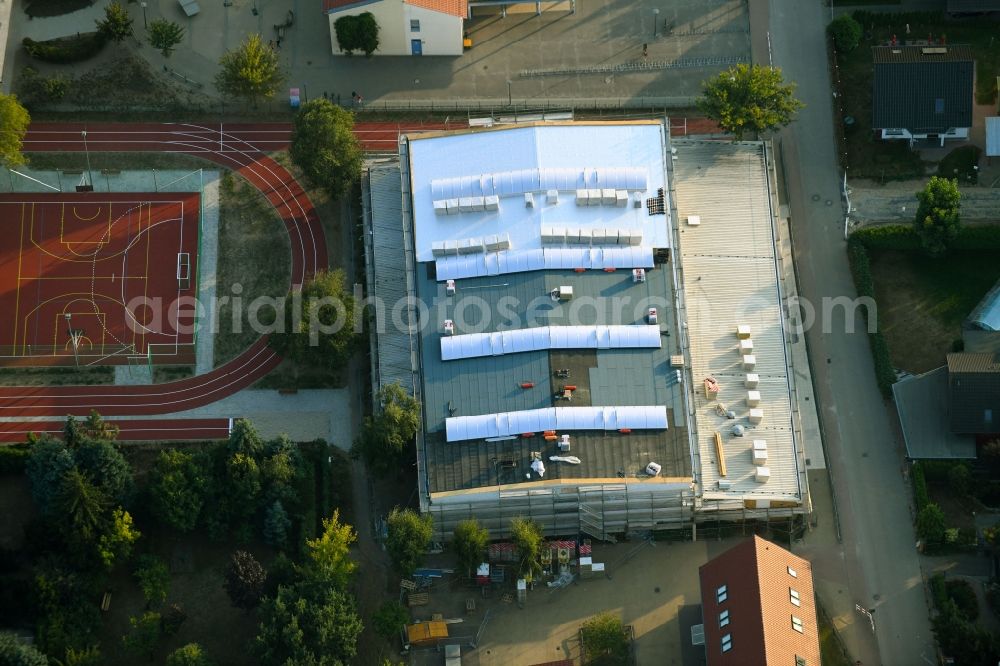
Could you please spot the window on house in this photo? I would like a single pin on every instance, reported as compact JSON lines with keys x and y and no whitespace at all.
{"x":939,"y":105}
{"x":797,"y":624}
{"x":727,"y":642}
{"x":800,"y":661}
{"x":723,"y":618}
{"x":722,"y":594}
{"x":414,"y":25}
{"x":793,"y":594}
{"x":793,"y":573}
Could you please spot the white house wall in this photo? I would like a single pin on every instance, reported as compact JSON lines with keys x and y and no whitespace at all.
{"x":440,"y":34}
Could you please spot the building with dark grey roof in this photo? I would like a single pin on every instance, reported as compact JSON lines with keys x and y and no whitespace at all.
{"x":539,"y":313}
{"x":923,"y":92}
{"x":974,"y":393}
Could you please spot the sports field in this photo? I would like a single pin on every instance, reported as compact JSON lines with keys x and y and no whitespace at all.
{"x":95,"y":278}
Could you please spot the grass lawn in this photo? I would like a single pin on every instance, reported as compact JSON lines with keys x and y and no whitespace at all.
{"x":104,"y":374}
{"x":253,"y":253}
{"x":923,"y":301}
{"x":117,"y":161}
{"x":871,"y":158}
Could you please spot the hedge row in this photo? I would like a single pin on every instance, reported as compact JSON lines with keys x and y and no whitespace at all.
{"x":861,"y":270}
{"x":902,"y":237}
{"x":65,"y":50}
{"x":920,"y":496}
{"x":13,"y":458}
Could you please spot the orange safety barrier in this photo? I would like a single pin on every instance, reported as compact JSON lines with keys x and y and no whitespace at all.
{"x":551,"y":438}
{"x":569,"y":387}
{"x":625,"y":431}
{"x":527,"y":385}
{"x":527,"y":434}
{"x":549,"y":432}
{"x":579,"y":270}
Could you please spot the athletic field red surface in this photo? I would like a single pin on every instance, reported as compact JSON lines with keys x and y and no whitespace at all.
{"x":103,"y":271}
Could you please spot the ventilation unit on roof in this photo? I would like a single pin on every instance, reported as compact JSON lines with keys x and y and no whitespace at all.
{"x":449,"y":327}
{"x":492,"y":202}
{"x":762,"y":474}
{"x":440,"y":207}
{"x":552,"y":197}
{"x":608,"y":197}
{"x":453,"y":207}
{"x":529,"y":200}
{"x":756,"y":416}
{"x":595,"y":197}
{"x":583,"y":197}
{"x":637,"y":200}
{"x":621,"y":198}
{"x":693,"y":220}
{"x":725,"y":485}
{"x":934,"y":50}
{"x":753,"y":398}
{"x":752,"y":380}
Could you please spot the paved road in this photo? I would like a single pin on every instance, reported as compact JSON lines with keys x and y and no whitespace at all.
{"x":882,"y":566}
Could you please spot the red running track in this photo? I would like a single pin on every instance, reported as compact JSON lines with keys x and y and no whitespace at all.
{"x":241,"y":147}
{"x":128,"y":431}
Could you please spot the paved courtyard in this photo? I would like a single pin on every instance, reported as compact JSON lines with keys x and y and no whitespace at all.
{"x":654,"y":588}
{"x":601,"y":33}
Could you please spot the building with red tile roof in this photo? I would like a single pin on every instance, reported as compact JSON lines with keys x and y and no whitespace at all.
{"x":759,"y":608}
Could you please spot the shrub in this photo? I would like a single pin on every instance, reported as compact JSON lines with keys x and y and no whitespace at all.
{"x":930,"y":524}
{"x":604,"y":640}
{"x":13,"y":458}
{"x":961,"y":592}
{"x":65,"y":50}
{"x":846,"y":32}
{"x":939,"y":591}
{"x":888,"y":237}
{"x":357,"y":33}
{"x":979,"y":237}
{"x":959,"y":477}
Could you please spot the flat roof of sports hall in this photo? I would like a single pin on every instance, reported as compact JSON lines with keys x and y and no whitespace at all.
{"x":621,"y":374}
{"x":731,"y":279}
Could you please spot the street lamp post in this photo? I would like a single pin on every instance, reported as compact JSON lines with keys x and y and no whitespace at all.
{"x":656,"y":19}
{"x":86,"y":151}
{"x":144,"y":24}
{"x":509,"y":102}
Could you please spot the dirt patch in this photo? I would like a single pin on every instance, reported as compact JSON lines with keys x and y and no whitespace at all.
{"x":197,"y":575}
{"x":957,"y":510}
{"x":922,"y":301}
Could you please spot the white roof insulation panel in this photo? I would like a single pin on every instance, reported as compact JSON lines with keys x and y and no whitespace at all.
{"x":506,"y":424}
{"x":520,"y":261}
{"x":474,"y":345}
{"x":511,"y":161}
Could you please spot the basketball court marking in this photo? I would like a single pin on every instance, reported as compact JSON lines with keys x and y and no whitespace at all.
{"x":54,"y":275}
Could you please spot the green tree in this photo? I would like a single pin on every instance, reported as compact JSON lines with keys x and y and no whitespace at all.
{"x":251,"y":71}
{"x":281,"y":468}
{"x":14,"y":120}
{"x":81,"y":505}
{"x":153,"y":577}
{"x":177,"y":486}
{"x":390,"y":619}
{"x":604,"y":640}
{"x":243,"y":483}
{"x":117,"y":538}
{"x":357,"y":33}
{"x":409,"y":536}
{"x":846,"y":32}
{"x":245,"y":439}
{"x":938,"y":221}
{"x":245,"y":579}
{"x":144,"y":635}
{"x":316,"y":625}
{"x":165,"y":35}
{"x":747,"y":98}
{"x":959,"y":478}
{"x":386,"y":437}
{"x":15,"y":653}
{"x":117,"y":24}
{"x":527,"y":537}
{"x":101,"y":462}
{"x":325,"y":146}
{"x":48,"y":462}
{"x":191,"y":654}
{"x":329,"y":553}
{"x":95,"y":427}
{"x":469,"y":542}
{"x":72,"y":432}
{"x":276,"y":525}
{"x":89,"y":656}
{"x":931,"y":524}
{"x":319,"y":323}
